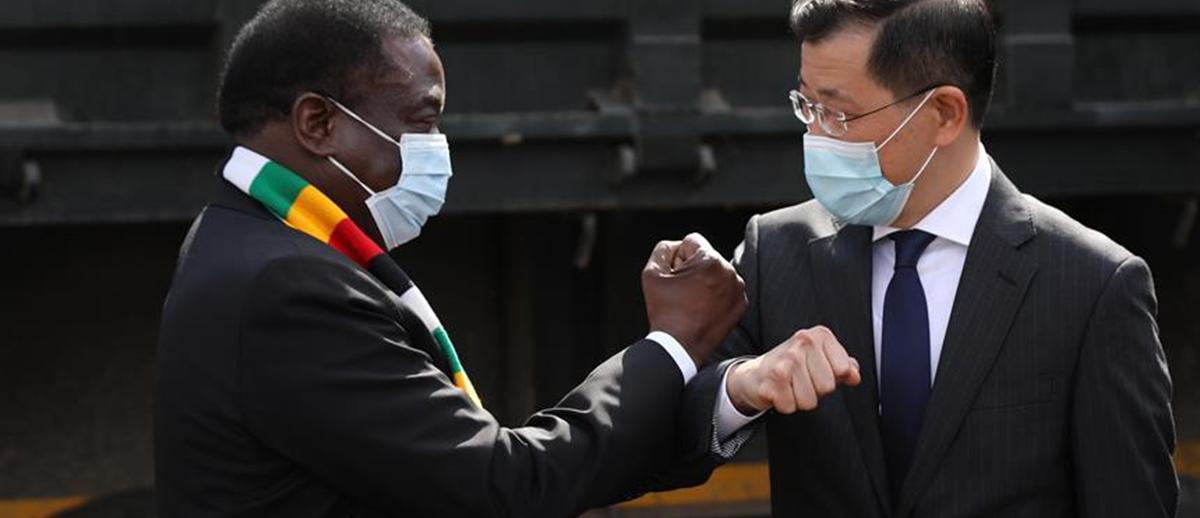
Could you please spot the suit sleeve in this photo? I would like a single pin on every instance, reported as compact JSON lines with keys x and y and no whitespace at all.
{"x":328,"y":378}
{"x":700,"y":450}
{"x":1122,"y":429}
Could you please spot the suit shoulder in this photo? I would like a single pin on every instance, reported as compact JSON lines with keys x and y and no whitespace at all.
{"x":1066,"y":237}
{"x":808,"y":219}
{"x":229,"y":252}
{"x":227,"y":236}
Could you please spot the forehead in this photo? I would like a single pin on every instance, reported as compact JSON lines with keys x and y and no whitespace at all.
{"x":414,"y":70}
{"x":836,"y":66}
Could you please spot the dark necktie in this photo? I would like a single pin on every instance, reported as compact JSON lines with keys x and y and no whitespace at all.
{"x":904,"y":375}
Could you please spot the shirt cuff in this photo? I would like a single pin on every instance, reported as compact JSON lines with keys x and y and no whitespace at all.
{"x":687,"y":367}
{"x":729,"y":418}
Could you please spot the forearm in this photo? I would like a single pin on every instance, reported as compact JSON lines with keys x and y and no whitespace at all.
{"x":603,"y":443}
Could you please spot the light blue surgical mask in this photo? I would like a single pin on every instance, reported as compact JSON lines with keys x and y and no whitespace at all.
{"x":847,"y":180}
{"x":401,"y":210}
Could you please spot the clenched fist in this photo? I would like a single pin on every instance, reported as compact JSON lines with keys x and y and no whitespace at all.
{"x":692,"y":294}
{"x":794,"y":375}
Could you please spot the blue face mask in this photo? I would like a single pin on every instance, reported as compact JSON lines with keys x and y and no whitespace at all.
{"x":401,"y":210}
{"x":847,"y":180}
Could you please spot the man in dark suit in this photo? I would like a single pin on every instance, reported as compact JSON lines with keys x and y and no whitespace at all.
{"x":302,"y":374}
{"x":1011,"y":361}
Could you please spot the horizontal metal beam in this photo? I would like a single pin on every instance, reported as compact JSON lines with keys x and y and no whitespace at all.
{"x":515,"y":128}
{"x":25,"y":14}
{"x":112,"y":136}
{"x":746,"y":8}
{"x":755,"y":170}
{"x":84,"y":14}
{"x":542,"y":10}
{"x":1139,"y":8}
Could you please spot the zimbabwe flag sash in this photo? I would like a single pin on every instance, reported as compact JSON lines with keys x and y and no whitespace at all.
{"x":301,"y":206}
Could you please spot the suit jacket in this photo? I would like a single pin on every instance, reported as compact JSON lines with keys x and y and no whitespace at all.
{"x":289,"y":385}
{"x":1052,"y":396}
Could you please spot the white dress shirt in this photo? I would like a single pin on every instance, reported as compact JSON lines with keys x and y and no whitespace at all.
{"x":941,"y":265}
{"x":687,"y":367}
{"x":940,"y":268}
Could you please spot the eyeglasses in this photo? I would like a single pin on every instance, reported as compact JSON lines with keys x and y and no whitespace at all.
{"x":832,"y":121}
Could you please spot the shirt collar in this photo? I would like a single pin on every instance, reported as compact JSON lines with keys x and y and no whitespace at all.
{"x":954,"y":219}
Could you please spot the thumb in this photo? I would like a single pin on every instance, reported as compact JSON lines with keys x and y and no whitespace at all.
{"x":662,"y":256}
{"x":692,"y":247}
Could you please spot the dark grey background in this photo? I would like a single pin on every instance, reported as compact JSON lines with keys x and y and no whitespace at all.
{"x":564,"y":183}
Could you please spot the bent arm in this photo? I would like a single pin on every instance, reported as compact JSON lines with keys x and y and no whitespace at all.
{"x":329,"y":379}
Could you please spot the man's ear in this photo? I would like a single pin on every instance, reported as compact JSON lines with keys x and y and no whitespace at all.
{"x":953,"y":114}
{"x":312,"y":122}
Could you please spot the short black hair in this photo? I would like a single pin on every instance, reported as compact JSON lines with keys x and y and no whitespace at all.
{"x":296,"y":46}
{"x":920,"y":42}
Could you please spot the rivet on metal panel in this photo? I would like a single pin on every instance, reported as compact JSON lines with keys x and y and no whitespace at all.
{"x":31,"y":181}
{"x":20,"y":177}
{"x":708,"y":163}
{"x":588,"y":228}
{"x":626,"y":163}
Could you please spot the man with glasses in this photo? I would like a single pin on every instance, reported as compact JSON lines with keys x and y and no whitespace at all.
{"x":1010,"y":357}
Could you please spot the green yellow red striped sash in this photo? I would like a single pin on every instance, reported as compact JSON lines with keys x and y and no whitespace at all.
{"x":301,"y":206}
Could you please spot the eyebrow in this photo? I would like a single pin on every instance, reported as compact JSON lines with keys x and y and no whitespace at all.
{"x":429,"y":102}
{"x":831,"y":93}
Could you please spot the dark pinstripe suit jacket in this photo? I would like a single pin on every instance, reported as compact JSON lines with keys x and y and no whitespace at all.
{"x":1052,"y":396}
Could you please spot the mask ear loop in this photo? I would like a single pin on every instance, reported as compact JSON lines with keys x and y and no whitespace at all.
{"x":906,"y":120}
{"x":369,"y":126}
{"x":347,"y":172}
{"x":924,"y":166}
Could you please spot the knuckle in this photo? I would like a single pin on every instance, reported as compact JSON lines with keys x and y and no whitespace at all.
{"x":780,"y":371}
{"x":782,"y":354}
{"x":797,"y":354}
{"x":803,"y":337}
{"x":822,"y":334}
{"x":764,"y":393}
{"x":805,"y":343}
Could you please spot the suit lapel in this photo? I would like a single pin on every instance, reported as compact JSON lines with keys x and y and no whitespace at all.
{"x":995,"y":277}
{"x":842,"y":278}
